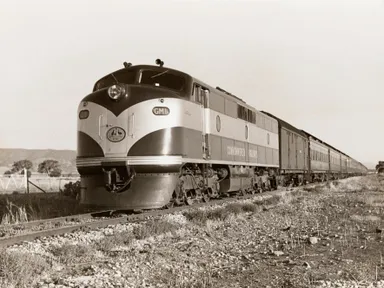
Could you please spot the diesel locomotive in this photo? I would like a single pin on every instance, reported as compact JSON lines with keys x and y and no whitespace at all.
{"x":149,"y":137}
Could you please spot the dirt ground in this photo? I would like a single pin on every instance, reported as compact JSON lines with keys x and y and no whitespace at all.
{"x":328,"y":235}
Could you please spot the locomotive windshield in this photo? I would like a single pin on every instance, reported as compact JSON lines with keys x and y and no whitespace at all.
{"x":162,"y":79}
{"x":123,"y":76}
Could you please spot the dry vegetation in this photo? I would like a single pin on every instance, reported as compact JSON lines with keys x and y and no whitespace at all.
{"x":18,"y":208}
{"x":331,"y":232}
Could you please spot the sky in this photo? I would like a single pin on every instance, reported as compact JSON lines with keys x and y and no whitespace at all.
{"x":318,"y":65}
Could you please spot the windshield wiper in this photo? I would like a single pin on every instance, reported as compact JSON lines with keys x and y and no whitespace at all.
{"x":114,"y":78}
{"x":159,"y":74}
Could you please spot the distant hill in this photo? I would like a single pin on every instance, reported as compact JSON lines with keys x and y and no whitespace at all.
{"x":66,"y":158}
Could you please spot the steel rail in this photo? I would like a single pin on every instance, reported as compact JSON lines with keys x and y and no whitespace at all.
{"x":67,"y":218}
{"x":13,"y":240}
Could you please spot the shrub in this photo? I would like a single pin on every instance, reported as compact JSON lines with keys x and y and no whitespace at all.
{"x":71,"y":189}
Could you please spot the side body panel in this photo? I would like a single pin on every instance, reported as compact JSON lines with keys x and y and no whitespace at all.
{"x":294,"y":149}
{"x":319,"y":157}
{"x":236,"y":140}
{"x":344,"y":164}
{"x":335,"y":161}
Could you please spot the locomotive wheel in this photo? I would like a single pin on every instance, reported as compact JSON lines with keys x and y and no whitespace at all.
{"x":170,"y":204}
{"x":242,"y":192}
{"x":206,"y":197}
{"x":178,"y":202}
{"x":251,"y":191}
{"x":189,"y":201}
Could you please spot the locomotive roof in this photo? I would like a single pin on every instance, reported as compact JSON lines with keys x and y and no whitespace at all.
{"x":304,"y":133}
{"x":286,"y":124}
{"x":218,"y":90}
{"x":325,"y":143}
{"x":153,"y":67}
{"x":334,"y":148}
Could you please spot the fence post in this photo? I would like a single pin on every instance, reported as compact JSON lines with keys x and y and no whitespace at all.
{"x":26,"y":180}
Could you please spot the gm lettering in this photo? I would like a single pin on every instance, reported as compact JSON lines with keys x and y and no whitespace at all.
{"x":160,"y":111}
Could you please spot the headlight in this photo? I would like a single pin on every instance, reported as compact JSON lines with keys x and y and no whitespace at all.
{"x":116,"y":91}
{"x":83,"y":114}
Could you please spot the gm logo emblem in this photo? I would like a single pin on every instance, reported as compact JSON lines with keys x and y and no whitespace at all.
{"x":116,"y":134}
{"x":160,"y":111}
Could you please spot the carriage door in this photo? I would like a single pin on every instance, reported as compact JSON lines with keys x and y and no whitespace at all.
{"x":202,"y":97}
{"x":305,"y":156}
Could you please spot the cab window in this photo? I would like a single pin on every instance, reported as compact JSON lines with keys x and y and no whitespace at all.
{"x":164,"y":79}
{"x":123,"y":76}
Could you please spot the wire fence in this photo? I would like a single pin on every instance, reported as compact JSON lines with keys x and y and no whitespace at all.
{"x":18,"y":183}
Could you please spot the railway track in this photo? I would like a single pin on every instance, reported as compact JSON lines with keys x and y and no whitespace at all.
{"x":29,"y":231}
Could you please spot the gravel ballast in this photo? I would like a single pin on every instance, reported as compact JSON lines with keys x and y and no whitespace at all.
{"x":319,"y":236}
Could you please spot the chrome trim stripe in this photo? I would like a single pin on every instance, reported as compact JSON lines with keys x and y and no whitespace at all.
{"x":133,"y":160}
{"x":228,"y":162}
{"x":157,"y":160}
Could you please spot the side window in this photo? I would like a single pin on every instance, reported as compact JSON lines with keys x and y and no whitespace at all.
{"x":245,"y":114}
{"x":239,"y":112}
{"x":197,"y":93}
{"x":268,"y":139}
{"x":200,"y":95}
{"x":250,"y":116}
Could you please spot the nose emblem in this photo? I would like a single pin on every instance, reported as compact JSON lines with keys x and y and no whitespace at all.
{"x":116,"y":134}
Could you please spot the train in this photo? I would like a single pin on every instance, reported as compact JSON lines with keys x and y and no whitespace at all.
{"x":152,"y":137}
{"x":380,"y":167}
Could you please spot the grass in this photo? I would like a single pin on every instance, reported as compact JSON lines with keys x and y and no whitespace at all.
{"x":17,"y":208}
{"x":13,"y":214}
{"x":20,"y":269}
{"x":125,"y":238}
{"x":204,"y":281}
{"x":71,"y":253}
{"x":153,"y":228}
{"x":201,"y":216}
